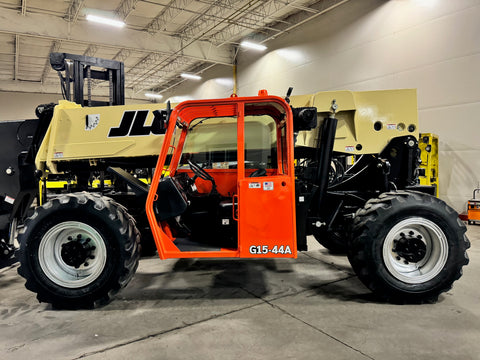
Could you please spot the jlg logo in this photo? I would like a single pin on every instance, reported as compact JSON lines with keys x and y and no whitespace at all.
{"x":133,"y":124}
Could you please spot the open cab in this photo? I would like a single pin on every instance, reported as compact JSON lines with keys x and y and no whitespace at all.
{"x":224,"y":184}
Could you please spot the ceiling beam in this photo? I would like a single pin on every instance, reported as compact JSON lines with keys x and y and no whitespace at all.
{"x":168,"y":70}
{"x":298,"y":19}
{"x":17,"y":54}
{"x":74,"y":10}
{"x":191,"y":34}
{"x":122,"y":55}
{"x":24,"y":7}
{"x":214,"y":16}
{"x":30,"y":87}
{"x":56,"y":29}
{"x":47,"y":67}
{"x":238,"y":16}
{"x":91,"y":50}
{"x":254,"y":17}
{"x":176,"y":82}
{"x":125,"y":8}
{"x":54,"y":88}
{"x":172,"y":9}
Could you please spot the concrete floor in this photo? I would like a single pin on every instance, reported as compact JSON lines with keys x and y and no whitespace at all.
{"x":309,"y":308}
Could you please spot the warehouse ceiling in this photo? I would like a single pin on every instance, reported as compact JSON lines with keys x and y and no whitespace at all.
{"x":161,"y":39}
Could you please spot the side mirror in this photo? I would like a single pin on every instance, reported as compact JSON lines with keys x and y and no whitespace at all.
{"x":304,"y":118}
{"x":160,"y":120}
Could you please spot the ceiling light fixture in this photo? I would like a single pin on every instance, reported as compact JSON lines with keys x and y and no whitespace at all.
{"x":104,"y":20}
{"x":191,"y":76}
{"x":253,"y":46}
{"x":153,"y":96}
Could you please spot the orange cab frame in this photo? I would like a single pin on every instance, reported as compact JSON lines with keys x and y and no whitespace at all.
{"x":263,"y":207}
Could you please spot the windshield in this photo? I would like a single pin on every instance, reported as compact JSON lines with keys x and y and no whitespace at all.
{"x":212,"y":142}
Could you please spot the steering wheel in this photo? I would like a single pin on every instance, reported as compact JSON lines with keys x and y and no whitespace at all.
{"x":258,"y":173}
{"x":201,"y":173}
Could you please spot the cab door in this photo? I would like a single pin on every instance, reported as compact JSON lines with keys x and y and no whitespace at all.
{"x":266,"y":198}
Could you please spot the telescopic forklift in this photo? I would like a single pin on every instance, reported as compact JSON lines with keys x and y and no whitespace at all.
{"x":247,"y":177}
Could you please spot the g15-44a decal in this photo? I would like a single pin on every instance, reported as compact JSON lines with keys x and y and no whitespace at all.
{"x":264,"y":249}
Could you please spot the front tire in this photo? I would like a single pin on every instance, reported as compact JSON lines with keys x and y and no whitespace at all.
{"x":334,"y":241}
{"x":78,"y":250}
{"x":408,"y":246}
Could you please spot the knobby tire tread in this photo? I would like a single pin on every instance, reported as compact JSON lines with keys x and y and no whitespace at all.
{"x":367,"y":226}
{"x":109,"y":211}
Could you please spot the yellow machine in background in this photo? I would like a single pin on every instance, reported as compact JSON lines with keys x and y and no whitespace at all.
{"x":473,"y":209}
{"x":428,"y":144}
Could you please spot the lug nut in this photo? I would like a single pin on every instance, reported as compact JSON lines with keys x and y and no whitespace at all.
{"x":86,"y":264}
{"x":398,"y":258}
{"x":70,"y":238}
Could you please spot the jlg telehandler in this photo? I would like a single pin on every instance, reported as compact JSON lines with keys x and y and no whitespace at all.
{"x":229,"y":182}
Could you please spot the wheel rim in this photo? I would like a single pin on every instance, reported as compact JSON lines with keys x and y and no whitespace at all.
{"x":415,"y":250}
{"x":58,"y":265}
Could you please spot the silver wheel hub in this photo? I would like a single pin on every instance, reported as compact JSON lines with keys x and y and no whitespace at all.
{"x":415,"y":250}
{"x":72,"y":254}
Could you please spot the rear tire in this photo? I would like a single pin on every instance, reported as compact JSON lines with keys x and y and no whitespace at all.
{"x":408,"y":246}
{"x":78,"y":250}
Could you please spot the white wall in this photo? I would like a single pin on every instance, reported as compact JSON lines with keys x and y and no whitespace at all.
{"x":18,"y":106}
{"x":431,"y":45}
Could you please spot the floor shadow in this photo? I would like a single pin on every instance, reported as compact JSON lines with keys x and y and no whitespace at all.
{"x":203,"y":279}
{"x":197,"y":279}
{"x":350,"y":289}
{"x":8,"y":262}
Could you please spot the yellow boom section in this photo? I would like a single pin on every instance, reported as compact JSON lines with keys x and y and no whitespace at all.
{"x":367,"y":120}
{"x":82,"y":133}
